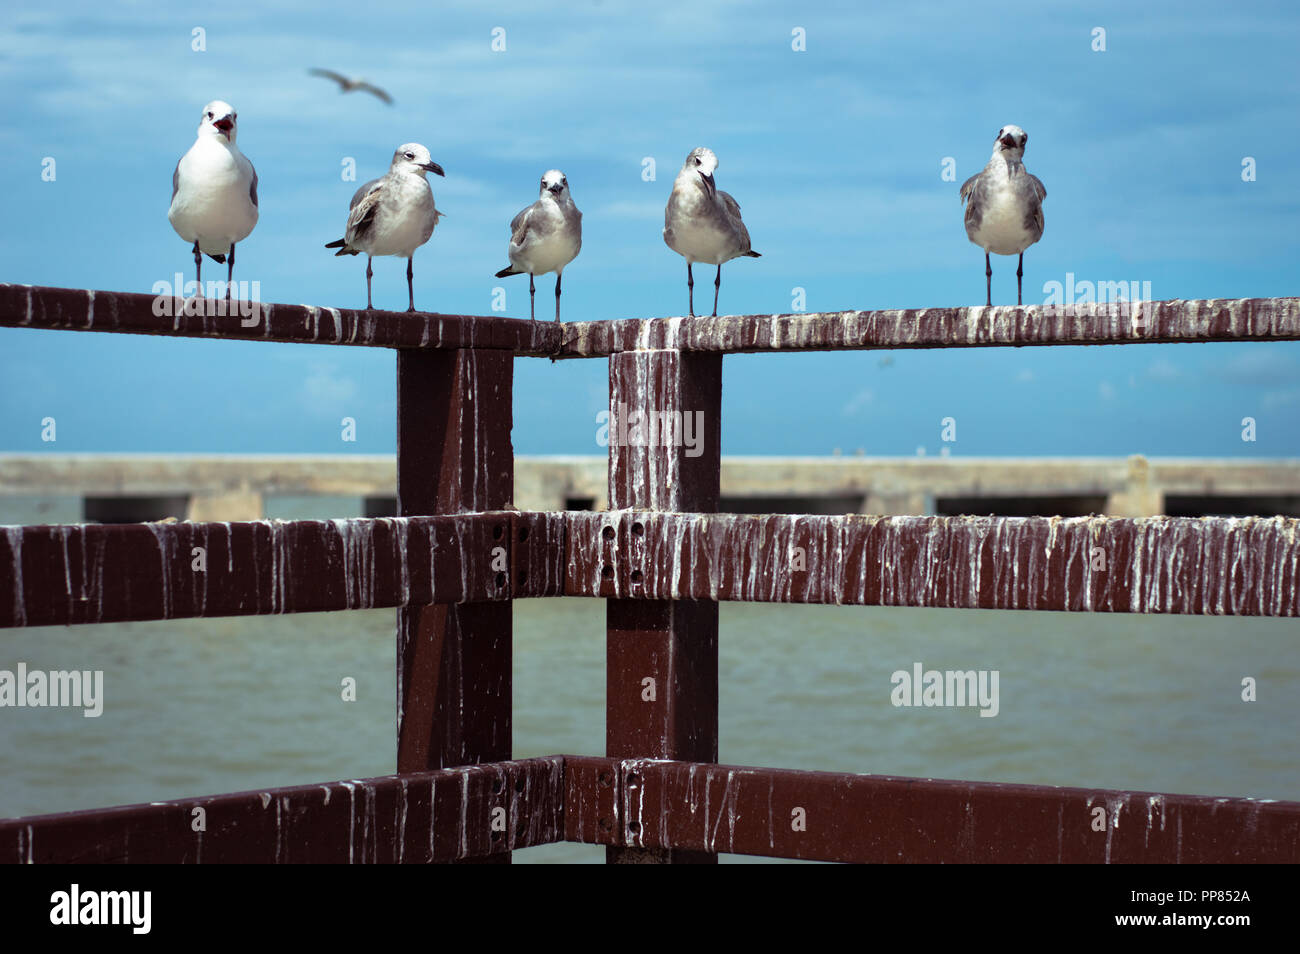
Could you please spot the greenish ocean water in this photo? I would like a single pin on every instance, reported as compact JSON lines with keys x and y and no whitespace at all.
{"x":199,"y":707}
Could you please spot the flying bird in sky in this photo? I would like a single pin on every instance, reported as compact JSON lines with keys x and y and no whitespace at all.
{"x":702,"y":224}
{"x":394,"y":214}
{"x":1004,"y":206}
{"x":545,"y":237}
{"x":214,"y":192}
{"x":348,"y":84}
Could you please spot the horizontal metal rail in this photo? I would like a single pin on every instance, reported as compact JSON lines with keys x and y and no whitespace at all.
{"x":89,"y":573}
{"x":486,"y":810}
{"x":72,"y":309}
{"x":446,"y":815}
{"x":1230,"y":566}
{"x":1242,"y":319}
{"x":827,"y":816}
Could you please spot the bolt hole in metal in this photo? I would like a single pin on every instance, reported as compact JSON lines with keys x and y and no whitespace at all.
{"x":606,"y":780}
{"x":607,"y":572}
{"x":497,"y":532}
{"x":636,"y":576}
{"x":638,"y":529}
{"x":496,"y":786}
{"x":634,"y":827}
{"x":523,"y":534}
{"x":501,"y":579}
{"x":523,"y":577}
{"x":605,"y":824}
{"x":634,"y":778}
{"x":519,"y":785}
{"x":607,"y":532}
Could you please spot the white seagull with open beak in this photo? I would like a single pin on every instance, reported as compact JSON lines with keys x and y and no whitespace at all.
{"x":1004,"y":206}
{"x":214,"y":192}
{"x":703,"y":224}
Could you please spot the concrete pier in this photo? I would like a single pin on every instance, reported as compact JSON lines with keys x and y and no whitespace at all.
{"x":121,"y":487}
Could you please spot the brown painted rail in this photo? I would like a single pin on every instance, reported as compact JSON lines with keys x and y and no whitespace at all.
{"x":1239,"y":319}
{"x":75,"y":309}
{"x":661,"y":808}
{"x":448,"y":815}
{"x":1220,"y":566}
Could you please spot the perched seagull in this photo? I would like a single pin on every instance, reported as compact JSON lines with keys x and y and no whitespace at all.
{"x":214,"y":192}
{"x":348,"y":84}
{"x":394,"y":214}
{"x":545,"y":237}
{"x":1004,"y":205}
{"x":702,"y":223}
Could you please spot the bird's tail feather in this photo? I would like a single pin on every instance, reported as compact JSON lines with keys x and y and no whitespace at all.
{"x":343,"y":248}
{"x":219,"y":259}
{"x":509,"y":270}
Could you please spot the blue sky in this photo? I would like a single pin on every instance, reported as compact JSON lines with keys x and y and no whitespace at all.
{"x":835,"y":153}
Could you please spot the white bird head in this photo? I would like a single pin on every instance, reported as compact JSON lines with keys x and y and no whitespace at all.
{"x":554,"y":184}
{"x":1010,"y":142}
{"x":701,"y":162}
{"x":413,"y":158}
{"x":218,"y":119}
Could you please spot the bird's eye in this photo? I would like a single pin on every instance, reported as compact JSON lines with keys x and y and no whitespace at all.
{"x":697,"y":160}
{"x":408,"y":155}
{"x":564,"y":182}
{"x":209,"y":115}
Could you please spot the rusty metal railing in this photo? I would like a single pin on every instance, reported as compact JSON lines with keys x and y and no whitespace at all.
{"x":458,"y":553}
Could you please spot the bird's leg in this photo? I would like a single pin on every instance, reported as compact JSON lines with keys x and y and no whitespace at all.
{"x":717,"y":286}
{"x":532,"y":292}
{"x":988,"y":280}
{"x":410,"y":287}
{"x":369,"y":272}
{"x":198,"y":271}
{"x":230,"y":270}
{"x":690,"y":287}
{"x":557,"y":298}
{"x":1020,"y":271}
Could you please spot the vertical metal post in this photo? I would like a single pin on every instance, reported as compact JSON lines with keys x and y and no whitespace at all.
{"x":661,"y":678}
{"x":454,"y":455}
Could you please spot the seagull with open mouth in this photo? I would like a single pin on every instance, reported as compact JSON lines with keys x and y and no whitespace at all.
{"x":393,"y":215}
{"x":545,"y":237}
{"x":703,"y":224}
{"x":214,"y":192}
{"x":1004,"y":206}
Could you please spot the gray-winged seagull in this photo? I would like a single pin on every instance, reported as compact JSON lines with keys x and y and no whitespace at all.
{"x":703,"y":224}
{"x":1004,"y":205}
{"x":394,"y":214}
{"x":545,"y":237}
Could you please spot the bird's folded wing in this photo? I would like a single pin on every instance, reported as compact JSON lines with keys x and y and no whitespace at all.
{"x":252,"y":189}
{"x":1039,"y":187}
{"x":968,"y":188}
{"x":362,"y":215}
{"x":519,"y":227}
{"x":176,"y":179}
{"x":730,"y":204}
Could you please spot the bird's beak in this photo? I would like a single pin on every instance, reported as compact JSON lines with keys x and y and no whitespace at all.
{"x":708,"y":184}
{"x":1008,"y":141}
{"x":225,"y":124}
{"x":555,"y":189}
{"x":434,"y":168}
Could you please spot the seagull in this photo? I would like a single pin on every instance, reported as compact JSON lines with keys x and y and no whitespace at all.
{"x":1004,"y":205}
{"x":214,"y":192}
{"x":348,"y":84}
{"x":703,"y":224}
{"x":394,"y":214}
{"x":545,"y":237}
